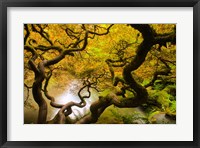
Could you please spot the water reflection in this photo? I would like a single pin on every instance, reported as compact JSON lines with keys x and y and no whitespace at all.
{"x":71,"y":95}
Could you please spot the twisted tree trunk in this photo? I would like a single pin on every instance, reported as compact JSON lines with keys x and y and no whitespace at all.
{"x":141,"y":96}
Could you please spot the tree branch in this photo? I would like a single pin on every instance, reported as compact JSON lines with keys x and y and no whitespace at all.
{"x":67,"y":52}
{"x":42,"y":33}
{"x":27,"y":33}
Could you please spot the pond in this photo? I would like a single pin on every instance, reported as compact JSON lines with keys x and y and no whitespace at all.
{"x":70,"y":94}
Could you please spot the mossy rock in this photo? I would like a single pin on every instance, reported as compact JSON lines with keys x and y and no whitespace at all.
{"x":107,"y":117}
{"x":161,"y":97}
{"x":114,"y":115}
{"x":160,"y":118}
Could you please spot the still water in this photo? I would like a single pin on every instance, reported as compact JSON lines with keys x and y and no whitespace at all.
{"x":70,"y":94}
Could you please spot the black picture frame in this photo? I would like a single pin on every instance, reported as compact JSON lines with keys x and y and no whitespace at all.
{"x":99,"y":3}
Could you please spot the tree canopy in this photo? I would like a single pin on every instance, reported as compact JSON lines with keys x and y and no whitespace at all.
{"x":123,"y":73}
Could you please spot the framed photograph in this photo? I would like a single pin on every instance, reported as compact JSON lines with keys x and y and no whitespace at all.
{"x":99,"y":74}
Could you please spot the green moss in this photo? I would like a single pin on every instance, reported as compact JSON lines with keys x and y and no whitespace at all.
{"x":107,"y":117}
{"x":152,"y":114}
{"x":171,"y":89}
{"x":114,"y":115}
{"x":162,"y":98}
{"x":105,"y":92}
{"x":171,"y":110}
{"x":129,"y":94}
{"x":159,"y":85}
{"x":173,"y":106}
{"x":145,"y":82}
{"x":161,"y":101}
